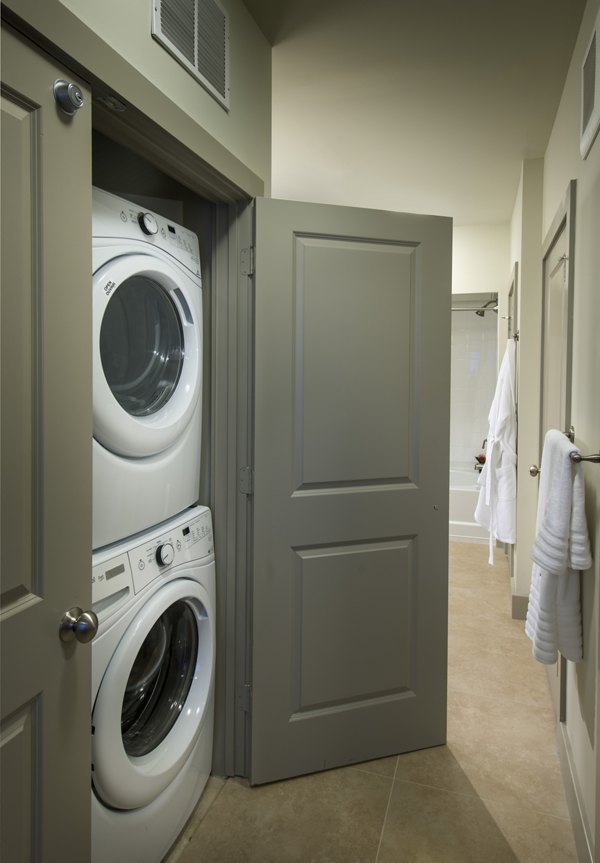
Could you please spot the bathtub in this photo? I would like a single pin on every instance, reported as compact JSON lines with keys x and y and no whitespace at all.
{"x":463,"y":499}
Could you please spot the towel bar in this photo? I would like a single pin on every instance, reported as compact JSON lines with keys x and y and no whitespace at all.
{"x":577,"y":457}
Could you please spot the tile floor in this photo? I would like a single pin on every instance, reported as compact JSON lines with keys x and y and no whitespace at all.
{"x":493,"y":794}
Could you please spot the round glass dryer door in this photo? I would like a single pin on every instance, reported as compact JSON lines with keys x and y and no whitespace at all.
{"x":152,"y":700}
{"x":141,"y":346}
{"x":147,"y":354}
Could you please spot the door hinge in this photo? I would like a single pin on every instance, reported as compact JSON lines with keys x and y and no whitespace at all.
{"x":247,"y":480}
{"x":245,"y":697}
{"x":247,"y":261}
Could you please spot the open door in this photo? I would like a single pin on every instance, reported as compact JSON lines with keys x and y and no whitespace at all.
{"x":350,"y":512}
{"x":557,"y":350}
{"x":46,"y":436}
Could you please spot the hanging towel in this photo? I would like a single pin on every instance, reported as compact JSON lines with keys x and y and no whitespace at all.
{"x":497,"y":501}
{"x":560,"y":551}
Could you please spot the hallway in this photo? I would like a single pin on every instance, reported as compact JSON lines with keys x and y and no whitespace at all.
{"x":493,"y":794}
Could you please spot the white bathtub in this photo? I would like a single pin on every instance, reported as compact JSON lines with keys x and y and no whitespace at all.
{"x":463,"y":500}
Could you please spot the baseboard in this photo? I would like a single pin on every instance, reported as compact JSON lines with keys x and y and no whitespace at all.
{"x":519,"y":606}
{"x":582,"y":835}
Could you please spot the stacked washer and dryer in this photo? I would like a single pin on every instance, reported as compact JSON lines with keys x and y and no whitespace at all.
{"x":153,"y":570}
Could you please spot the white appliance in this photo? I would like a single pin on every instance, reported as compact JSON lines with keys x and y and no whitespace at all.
{"x":147,"y":368}
{"x":153,"y":663}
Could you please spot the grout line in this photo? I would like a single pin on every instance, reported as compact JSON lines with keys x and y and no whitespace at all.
{"x":387,"y":809}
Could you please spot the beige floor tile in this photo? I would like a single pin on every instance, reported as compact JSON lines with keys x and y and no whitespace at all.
{"x":381,"y":766}
{"x":493,"y":794}
{"x":428,"y":825}
{"x":534,"y":837}
{"x":437,"y":768}
{"x":213,"y":788}
{"x":332,"y":817}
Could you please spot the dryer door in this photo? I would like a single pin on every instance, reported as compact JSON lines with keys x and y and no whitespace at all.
{"x":147,"y":354}
{"x":152,"y":701}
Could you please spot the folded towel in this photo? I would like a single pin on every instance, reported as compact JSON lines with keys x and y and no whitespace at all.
{"x":561,"y":549}
{"x":555,"y":502}
{"x":554,"y":616}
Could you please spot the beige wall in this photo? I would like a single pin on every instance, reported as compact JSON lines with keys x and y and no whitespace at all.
{"x":481,"y":264}
{"x":563,"y":163}
{"x":480,"y":258}
{"x":246,"y":129}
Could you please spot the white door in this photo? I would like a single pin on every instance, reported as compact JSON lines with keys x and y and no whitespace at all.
{"x":46,"y":436}
{"x":350,"y":514}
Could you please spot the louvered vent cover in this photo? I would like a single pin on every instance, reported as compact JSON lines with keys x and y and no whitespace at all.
{"x":196,"y":33}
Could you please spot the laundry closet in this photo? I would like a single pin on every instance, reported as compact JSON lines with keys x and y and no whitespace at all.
{"x":326,"y":409}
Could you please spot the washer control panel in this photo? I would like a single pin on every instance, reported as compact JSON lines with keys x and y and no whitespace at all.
{"x":125,"y":568}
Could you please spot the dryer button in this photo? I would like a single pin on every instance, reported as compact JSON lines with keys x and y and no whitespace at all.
{"x":148,"y":223}
{"x":165,"y":554}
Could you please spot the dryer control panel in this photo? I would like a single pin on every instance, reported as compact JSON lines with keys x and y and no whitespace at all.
{"x":131,"y":565}
{"x":117,"y":218}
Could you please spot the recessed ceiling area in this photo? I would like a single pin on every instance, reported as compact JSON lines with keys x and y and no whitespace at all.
{"x":415,"y":105}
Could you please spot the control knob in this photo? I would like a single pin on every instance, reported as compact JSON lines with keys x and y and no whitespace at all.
{"x":148,"y":223}
{"x":165,"y":554}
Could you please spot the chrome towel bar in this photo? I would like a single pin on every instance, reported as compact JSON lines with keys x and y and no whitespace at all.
{"x":577,"y":457}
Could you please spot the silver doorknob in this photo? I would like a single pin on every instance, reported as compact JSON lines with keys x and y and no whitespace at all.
{"x":69,"y":97}
{"x":75,"y":623}
{"x":534,"y":470}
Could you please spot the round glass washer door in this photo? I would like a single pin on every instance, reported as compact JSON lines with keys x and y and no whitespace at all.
{"x":147,"y":362}
{"x":152,"y":701}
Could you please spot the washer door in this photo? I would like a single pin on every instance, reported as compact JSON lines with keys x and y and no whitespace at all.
{"x":152,"y":700}
{"x":147,"y":354}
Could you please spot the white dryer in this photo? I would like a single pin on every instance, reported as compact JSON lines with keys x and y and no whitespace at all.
{"x":153,"y":666}
{"x":147,"y":368}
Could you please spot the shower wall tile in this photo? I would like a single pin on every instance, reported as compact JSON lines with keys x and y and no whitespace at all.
{"x":473,"y":381}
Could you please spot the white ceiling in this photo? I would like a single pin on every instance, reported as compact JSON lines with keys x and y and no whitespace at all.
{"x":415,"y":105}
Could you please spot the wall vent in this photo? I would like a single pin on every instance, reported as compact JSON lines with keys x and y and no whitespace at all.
{"x":196,"y":34}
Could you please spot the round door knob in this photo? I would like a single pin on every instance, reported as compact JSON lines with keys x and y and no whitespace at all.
{"x":148,"y":223}
{"x":534,"y":470}
{"x":165,"y":554}
{"x":78,"y":624}
{"x":69,"y":97}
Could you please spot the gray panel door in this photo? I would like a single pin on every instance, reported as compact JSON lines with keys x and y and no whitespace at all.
{"x":557,"y":352}
{"x":45,"y":439}
{"x":352,"y":326}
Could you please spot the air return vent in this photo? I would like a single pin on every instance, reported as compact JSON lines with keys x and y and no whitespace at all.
{"x":196,"y":33}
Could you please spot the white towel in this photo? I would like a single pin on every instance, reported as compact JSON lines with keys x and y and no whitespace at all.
{"x":561,"y":549}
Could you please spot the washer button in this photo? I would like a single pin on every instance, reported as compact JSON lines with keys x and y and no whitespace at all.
{"x":165,"y":554}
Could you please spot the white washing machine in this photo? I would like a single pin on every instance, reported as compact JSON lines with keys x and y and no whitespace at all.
{"x":147,"y":368}
{"x":153,"y":663}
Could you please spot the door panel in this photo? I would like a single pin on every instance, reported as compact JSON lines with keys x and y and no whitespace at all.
{"x":352,"y":319}
{"x":45,"y":459}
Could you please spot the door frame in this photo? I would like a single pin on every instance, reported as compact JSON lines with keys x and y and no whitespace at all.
{"x":513,"y":333}
{"x":564,"y":220}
